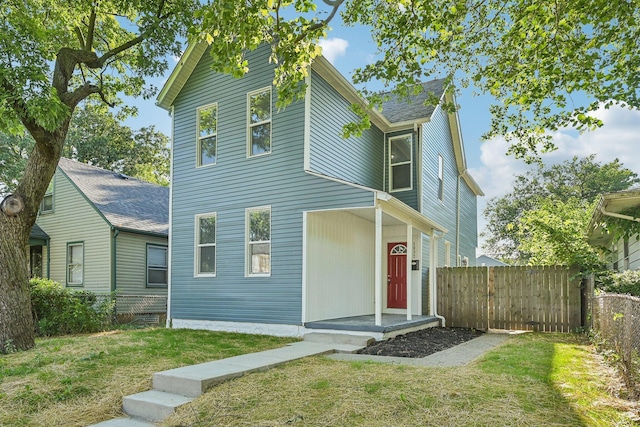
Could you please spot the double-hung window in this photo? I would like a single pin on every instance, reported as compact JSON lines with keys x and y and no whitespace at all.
{"x":258,"y":241}
{"x":75,"y":264}
{"x":207,"y":152}
{"x":400,"y":162}
{"x":157,"y":266}
{"x":259,"y":122}
{"x":205,"y":245}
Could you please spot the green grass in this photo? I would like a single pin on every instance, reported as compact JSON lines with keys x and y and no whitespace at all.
{"x":75,"y":381}
{"x":532,"y":380}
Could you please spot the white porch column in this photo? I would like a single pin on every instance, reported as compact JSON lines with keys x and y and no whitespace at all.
{"x":378,"y":268}
{"x":409,"y":274}
{"x":433,"y":263}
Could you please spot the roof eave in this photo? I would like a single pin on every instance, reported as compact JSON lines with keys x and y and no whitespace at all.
{"x":181,"y":73}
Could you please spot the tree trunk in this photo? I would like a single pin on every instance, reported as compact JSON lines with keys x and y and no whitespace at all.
{"x":17,"y":217}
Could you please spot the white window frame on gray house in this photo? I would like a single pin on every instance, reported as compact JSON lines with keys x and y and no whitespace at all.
{"x":201,"y":246}
{"x":75,"y":264}
{"x":157,"y":264}
{"x":255,"y":121}
{"x":207,"y":133}
{"x":397,"y":163}
{"x":258,"y":244}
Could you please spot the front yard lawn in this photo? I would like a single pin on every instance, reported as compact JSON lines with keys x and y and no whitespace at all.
{"x":532,"y":380}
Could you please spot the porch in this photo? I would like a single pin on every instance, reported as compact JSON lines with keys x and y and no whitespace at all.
{"x":391,"y":325}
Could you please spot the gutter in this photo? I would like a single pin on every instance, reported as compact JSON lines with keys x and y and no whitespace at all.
{"x":617,"y":215}
{"x":114,"y":233}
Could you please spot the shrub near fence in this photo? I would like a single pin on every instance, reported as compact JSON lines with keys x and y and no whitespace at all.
{"x":616,"y":324}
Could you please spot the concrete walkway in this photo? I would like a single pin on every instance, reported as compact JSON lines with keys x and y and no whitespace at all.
{"x":176,"y":387}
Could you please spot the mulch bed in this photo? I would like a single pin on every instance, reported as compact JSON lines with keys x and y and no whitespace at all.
{"x":421,"y":343}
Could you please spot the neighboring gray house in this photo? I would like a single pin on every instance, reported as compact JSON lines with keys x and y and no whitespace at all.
{"x":487,"y":261}
{"x":619,"y":254}
{"x":280,"y":225}
{"x":102,"y":231}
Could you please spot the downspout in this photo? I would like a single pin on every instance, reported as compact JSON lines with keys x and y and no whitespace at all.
{"x":617,"y":215}
{"x":114,"y":233}
{"x":47,"y":242}
{"x":458,"y":220}
{"x":433,"y":264}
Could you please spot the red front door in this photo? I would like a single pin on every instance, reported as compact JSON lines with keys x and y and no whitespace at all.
{"x":397,"y":275}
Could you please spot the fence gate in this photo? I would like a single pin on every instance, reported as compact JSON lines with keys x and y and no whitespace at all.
{"x":540,"y":298}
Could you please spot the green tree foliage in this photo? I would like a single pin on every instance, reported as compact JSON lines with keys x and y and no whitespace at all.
{"x":97,"y":137}
{"x":579,"y":180}
{"x":537,"y":58}
{"x":53,"y":56}
{"x":553,"y":233}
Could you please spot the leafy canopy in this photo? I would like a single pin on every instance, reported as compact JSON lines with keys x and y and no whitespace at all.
{"x":548,"y":64}
{"x":572,"y":185}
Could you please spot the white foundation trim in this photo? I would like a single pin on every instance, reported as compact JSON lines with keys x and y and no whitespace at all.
{"x":278,"y":330}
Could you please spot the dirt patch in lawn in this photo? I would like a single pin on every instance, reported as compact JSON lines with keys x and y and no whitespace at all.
{"x":421,"y":343}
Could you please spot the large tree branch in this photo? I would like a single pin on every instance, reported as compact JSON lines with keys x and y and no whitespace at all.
{"x":91,"y":30}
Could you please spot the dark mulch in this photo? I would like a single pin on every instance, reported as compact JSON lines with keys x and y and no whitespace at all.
{"x":421,"y":343}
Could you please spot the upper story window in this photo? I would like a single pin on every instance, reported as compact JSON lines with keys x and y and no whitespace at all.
{"x":47,"y":202}
{"x":259,"y":122}
{"x":259,"y":241}
{"x":205,"y":245}
{"x":207,"y":151}
{"x":75,"y":264}
{"x":400,"y":162}
{"x":157,"y":266}
{"x":440,"y":178}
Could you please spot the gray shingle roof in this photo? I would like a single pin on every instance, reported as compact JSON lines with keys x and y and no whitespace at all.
{"x":127,"y":203}
{"x":399,"y":110}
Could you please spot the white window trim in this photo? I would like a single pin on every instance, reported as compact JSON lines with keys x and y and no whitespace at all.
{"x":251,"y":125}
{"x":69,"y":282}
{"x":156,"y":267}
{"x":410,"y":162}
{"x":440,"y":178}
{"x":197,"y":246}
{"x":247,"y":223}
{"x":200,"y":138}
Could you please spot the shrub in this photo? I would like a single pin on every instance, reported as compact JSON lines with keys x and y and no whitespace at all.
{"x":626,"y":282}
{"x":60,"y":311}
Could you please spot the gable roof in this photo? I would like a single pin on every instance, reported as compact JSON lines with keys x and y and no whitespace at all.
{"x":412,"y":108}
{"x":396,"y":114}
{"x":126,"y":203}
{"x":611,"y":204}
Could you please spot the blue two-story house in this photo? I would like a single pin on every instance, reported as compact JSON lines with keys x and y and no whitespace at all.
{"x":279,"y":225}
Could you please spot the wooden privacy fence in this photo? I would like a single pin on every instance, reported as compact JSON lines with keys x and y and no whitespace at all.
{"x":545,"y":298}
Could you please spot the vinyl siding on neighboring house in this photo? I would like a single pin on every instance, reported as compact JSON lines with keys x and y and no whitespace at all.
{"x":357,"y":159}
{"x":617,"y":254}
{"x":231,"y":186}
{"x":75,"y":220}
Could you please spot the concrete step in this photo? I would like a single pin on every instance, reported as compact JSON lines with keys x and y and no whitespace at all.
{"x":124,"y":422}
{"x":338,"y":338}
{"x":153,"y":405}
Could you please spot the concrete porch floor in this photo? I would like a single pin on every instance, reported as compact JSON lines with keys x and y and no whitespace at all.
{"x":392,"y":324}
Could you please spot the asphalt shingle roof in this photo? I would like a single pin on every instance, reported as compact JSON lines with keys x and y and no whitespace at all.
{"x":399,"y":110}
{"x":127,"y":203}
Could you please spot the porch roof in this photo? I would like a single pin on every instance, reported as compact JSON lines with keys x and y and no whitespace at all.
{"x":611,"y":204}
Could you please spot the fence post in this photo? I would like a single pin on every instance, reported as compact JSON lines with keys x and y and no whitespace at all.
{"x":490,"y":296}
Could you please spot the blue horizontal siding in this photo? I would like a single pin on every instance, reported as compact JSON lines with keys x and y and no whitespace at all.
{"x":357,"y":159}
{"x":234,"y":184}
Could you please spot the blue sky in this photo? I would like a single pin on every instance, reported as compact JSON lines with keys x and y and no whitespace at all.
{"x":348,"y":48}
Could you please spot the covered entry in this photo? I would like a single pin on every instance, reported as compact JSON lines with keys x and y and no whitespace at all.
{"x":364,"y":261}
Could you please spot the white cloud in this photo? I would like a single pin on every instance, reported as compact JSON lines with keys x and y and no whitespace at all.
{"x":618,"y":138}
{"x":333,"y":48}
